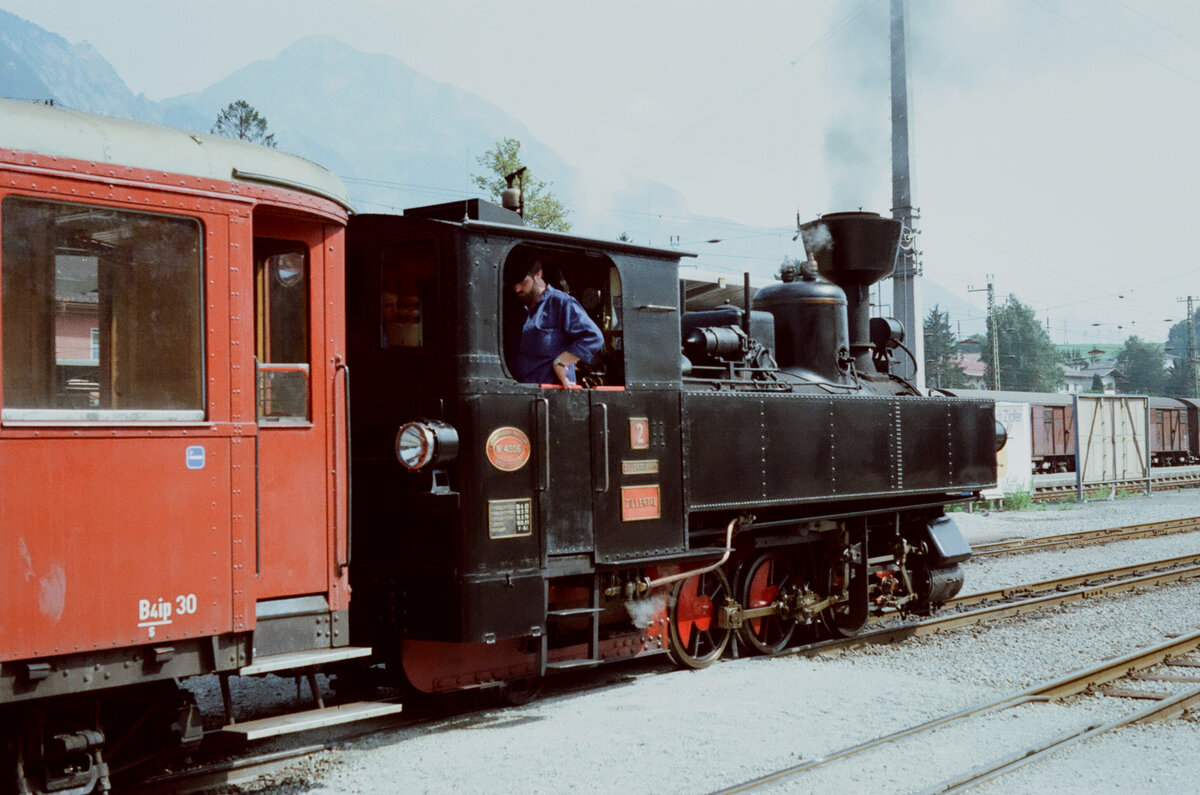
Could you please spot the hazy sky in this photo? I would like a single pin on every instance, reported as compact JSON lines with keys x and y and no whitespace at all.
{"x":1056,"y":140}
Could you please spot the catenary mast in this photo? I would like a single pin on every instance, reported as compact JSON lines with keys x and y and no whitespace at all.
{"x":906,"y":298}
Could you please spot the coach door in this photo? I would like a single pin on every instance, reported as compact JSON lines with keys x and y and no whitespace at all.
{"x":292,"y":411}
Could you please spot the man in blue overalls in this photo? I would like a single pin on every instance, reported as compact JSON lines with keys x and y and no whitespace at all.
{"x":557,"y":331}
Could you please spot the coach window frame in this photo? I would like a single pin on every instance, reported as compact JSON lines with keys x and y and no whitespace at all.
{"x":282,"y":326}
{"x":119,"y":281}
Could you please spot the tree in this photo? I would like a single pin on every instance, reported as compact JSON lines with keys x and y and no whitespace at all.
{"x":1072,"y":357}
{"x":942,"y":367}
{"x":542,"y":208}
{"x":1177,"y":336}
{"x":1028,"y":360}
{"x":1181,"y":380}
{"x":1141,"y":367}
{"x":240,"y":120}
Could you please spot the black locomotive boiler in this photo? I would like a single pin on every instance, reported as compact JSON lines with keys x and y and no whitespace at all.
{"x":774,"y":479}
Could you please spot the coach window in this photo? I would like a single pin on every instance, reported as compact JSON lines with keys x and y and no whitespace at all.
{"x":408,"y":294}
{"x":281,"y":329}
{"x":102,"y":314}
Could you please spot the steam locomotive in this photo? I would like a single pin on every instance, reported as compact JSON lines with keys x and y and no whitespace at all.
{"x":192,"y":481}
{"x":776,"y":477}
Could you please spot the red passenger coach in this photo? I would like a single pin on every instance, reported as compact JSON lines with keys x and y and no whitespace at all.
{"x":173,"y":439}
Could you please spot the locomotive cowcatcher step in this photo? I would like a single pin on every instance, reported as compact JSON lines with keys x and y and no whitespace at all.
{"x":311,"y":719}
{"x":302,"y":659}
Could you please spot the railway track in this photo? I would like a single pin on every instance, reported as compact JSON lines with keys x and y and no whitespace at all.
{"x":941,"y":623}
{"x":1061,"y":486}
{"x":1086,"y":537}
{"x":232,"y":772}
{"x":1072,"y":580}
{"x":1179,"y":652}
{"x":1012,"y":601}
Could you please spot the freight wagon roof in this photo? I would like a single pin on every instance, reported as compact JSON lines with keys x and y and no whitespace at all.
{"x":62,"y":132}
{"x":1036,"y":398}
{"x":1049,"y":399}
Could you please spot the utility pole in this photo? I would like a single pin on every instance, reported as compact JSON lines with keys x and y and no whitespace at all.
{"x":993,"y":330}
{"x":906,"y":298}
{"x":1191,"y":347}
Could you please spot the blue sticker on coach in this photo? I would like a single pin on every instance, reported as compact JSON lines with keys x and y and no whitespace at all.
{"x":195,"y":456}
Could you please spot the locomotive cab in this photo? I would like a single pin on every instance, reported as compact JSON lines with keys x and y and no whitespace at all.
{"x":547,"y":483}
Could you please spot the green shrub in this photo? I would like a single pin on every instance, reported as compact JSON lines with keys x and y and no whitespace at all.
{"x":1018,"y":501}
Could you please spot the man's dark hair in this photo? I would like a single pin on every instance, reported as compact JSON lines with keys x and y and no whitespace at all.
{"x":521,"y":263}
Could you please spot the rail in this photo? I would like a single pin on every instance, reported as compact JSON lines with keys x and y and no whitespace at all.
{"x":1058,"y":486}
{"x":1051,"y":690}
{"x":1086,"y":537}
{"x":244,"y":769}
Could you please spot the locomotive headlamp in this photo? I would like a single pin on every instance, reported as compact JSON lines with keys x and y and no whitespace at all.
{"x":425,"y":442}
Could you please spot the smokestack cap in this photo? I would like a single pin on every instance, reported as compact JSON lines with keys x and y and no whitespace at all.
{"x":853,"y":248}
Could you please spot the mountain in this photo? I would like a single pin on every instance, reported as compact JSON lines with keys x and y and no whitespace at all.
{"x":398,"y":139}
{"x":37,"y":64}
{"x":372,"y":117}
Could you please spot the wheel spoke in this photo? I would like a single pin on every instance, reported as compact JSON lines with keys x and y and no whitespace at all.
{"x":761,"y":582}
{"x":696,"y":638}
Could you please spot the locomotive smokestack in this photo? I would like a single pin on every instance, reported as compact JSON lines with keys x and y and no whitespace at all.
{"x":854,"y":250}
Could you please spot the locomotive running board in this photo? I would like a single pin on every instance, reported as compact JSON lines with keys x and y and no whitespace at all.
{"x":311,"y":719}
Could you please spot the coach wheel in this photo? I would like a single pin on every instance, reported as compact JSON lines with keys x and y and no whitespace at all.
{"x":696,"y":638}
{"x":761,"y":582}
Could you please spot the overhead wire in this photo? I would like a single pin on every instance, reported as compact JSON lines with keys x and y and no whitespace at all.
{"x":1156,"y":23}
{"x":832,"y":32}
{"x":723,"y":109}
{"x":1141,"y":285}
{"x":829,"y":35}
{"x":1115,"y":42}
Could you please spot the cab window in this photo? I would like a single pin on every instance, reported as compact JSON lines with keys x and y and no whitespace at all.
{"x":408,"y":295}
{"x":102,"y":313}
{"x":594,"y":281}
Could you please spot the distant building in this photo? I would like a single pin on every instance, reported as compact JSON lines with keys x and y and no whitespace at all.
{"x":973,"y":369}
{"x":1080,"y":379}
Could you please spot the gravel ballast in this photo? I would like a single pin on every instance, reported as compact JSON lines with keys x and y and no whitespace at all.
{"x":662,"y":730}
